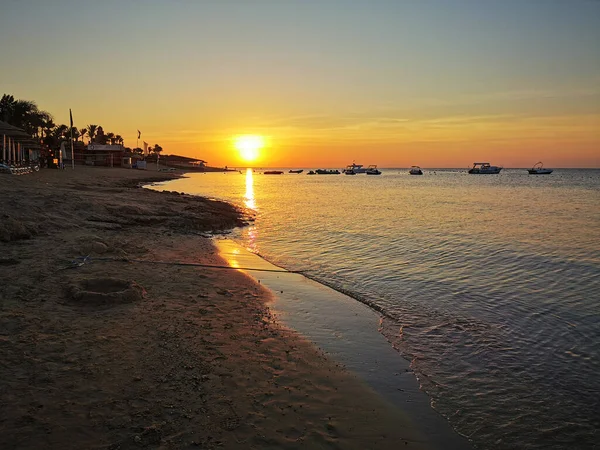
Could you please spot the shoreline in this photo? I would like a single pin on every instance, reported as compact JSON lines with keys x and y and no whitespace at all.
{"x":102,"y":352}
{"x":346,"y":330}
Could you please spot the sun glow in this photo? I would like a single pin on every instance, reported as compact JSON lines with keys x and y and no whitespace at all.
{"x":248,"y":146}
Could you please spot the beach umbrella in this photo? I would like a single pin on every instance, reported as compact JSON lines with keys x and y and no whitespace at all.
{"x":12,"y":131}
{"x":15,"y":141}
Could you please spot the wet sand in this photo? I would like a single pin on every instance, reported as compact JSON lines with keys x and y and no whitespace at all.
{"x":105,"y":352}
{"x":347,"y":331}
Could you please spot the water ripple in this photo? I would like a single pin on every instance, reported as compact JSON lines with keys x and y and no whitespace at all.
{"x":494,"y":300}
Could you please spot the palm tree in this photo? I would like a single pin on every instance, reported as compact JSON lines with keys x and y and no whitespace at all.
{"x":23,"y":114}
{"x":61,"y":132}
{"x":24,"y":111}
{"x":7,"y":107}
{"x":110,"y":137}
{"x":91,"y":131}
{"x":119,"y":139}
{"x":49,"y":125}
{"x":39,"y":122}
{"x":82,"y":133}
{"x":73,"y":131}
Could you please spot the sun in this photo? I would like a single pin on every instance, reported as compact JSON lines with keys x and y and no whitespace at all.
{"x":249,"y":145}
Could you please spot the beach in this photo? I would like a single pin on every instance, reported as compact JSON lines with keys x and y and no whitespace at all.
{"x":107,"y":342}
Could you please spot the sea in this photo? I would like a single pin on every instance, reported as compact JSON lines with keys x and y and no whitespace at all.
{"x":488,"y":284}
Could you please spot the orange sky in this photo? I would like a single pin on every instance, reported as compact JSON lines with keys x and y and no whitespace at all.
{"x":435,"y":84}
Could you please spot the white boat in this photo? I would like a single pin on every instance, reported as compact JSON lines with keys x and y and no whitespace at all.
{"x":353,"y":169}
{"x":415,"y":170}
{"x":538,"y":169}
{"x":373,"y":170}
{"x":484,"y":168}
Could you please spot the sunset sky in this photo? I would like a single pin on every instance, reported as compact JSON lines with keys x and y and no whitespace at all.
{"x":436,"y":83}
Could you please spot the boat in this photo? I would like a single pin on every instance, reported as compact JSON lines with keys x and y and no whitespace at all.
{"x":373,"y":170}
{"x":538,"y":169}
{"x":273,"y":172}
{"x":328,"y":172}
{"x":415,"y":170}
{"x":311,"y":172}
{"x":484,"y":168}
{"x":296,"y":171}
{"x":354,"y":168}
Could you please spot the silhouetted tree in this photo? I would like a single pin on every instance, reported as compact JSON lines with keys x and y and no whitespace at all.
{"x":91,"y":130}
{"x":23,"y":114}
{"x":7,"y":107}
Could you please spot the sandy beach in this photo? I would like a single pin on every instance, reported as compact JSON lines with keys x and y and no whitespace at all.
{"x":100,"y":351}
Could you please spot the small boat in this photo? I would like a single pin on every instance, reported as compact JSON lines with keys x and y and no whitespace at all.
{"x":354,"y":168}
{"x":484,"y":169}
{"x":296,"y":171}
{"x":373,"y":170}
{"x":415,"y":170}
{"x":311,"y":172}
{"x":538,"y":169}
{"x":328,"y":172}
{"x":273,"y":172}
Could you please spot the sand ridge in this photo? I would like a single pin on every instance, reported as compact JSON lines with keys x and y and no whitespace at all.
{"x":116,"y":354}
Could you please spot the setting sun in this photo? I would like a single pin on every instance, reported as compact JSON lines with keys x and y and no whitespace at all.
{"x":249,"y":146}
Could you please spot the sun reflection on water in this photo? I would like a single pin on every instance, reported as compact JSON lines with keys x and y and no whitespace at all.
{"x":250,"y":202}
{"x":249,"y":197}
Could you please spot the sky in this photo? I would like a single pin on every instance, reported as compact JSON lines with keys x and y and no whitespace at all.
{"x":435,"y":83}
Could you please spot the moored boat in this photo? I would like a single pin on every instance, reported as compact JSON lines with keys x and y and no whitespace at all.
{"x":354,"y":169}
{"x":415,"y":170}
{"x":327,"y":172}
{"x":273,"y":172}
{"x":373,"y":170}
{"x":538,"y":169}
{"x":484,"y":168}
{"x":296,"y":171}
{"x":311,"y":172}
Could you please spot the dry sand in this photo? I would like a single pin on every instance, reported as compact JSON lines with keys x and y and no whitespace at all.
{"x":113,"y":354}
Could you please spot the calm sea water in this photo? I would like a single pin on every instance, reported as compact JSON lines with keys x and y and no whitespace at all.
{"x":488,"y":284}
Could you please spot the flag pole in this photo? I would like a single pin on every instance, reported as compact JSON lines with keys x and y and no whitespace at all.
{"x":72,"y":152}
